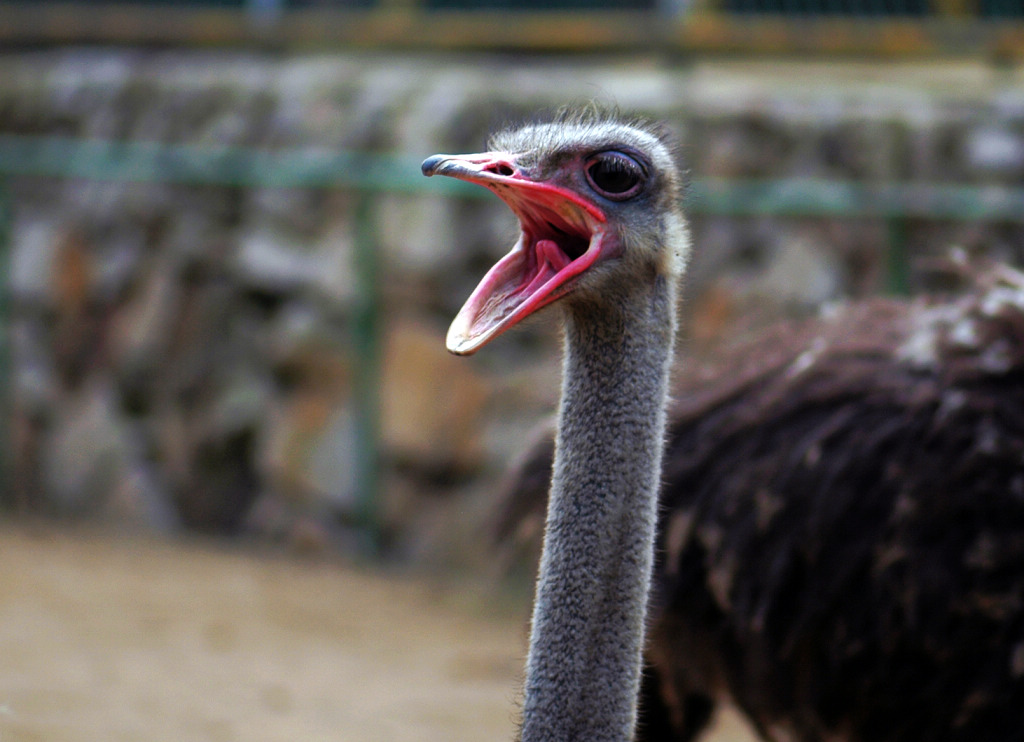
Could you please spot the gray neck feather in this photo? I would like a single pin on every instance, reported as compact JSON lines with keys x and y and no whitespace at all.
{"x":586,"y":645}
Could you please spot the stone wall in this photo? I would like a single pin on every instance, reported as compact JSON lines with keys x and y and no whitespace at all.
{"x":183,"y":354}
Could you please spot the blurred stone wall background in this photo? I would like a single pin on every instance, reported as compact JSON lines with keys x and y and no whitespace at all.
{"x":183,"y":354}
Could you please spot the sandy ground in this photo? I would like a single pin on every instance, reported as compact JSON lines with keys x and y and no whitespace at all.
{"x":116,"y":640}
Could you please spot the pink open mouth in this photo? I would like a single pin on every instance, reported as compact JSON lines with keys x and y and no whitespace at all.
{"x":562,"y":236}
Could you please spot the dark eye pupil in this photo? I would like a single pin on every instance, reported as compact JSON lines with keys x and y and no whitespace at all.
{"x":614,"y":174}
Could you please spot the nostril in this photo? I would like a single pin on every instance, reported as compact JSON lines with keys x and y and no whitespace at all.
{"x":500,"y":168}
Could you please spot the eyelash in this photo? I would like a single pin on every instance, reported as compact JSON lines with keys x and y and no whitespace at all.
{"x":615,"y":175}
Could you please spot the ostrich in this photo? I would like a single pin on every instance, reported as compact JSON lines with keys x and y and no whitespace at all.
{"x":597,"y":199}
{"x":841,"y":536}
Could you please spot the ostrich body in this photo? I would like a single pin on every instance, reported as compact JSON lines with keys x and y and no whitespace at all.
{"x":841,"y":537}
{"x":598,"y":204}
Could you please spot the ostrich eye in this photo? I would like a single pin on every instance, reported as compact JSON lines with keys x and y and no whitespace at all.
{"x":615,"y":175}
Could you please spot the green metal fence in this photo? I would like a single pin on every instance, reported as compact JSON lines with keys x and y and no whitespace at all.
{"x":368,"y":175}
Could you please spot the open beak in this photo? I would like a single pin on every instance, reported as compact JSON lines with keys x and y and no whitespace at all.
{"x":562,"y":235}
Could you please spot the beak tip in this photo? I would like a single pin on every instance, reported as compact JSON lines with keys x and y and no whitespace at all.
{"x":457,"y":346}
{"x":430,"y":165}
{"x":459,"y":342}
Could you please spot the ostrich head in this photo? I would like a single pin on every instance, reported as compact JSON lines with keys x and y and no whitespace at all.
{"x":597,"y":202}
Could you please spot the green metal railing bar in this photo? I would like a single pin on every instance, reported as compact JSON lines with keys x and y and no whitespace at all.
{"x":311,"y":167}
{"x":367,"y":375}
{"x":816,"y":197}
{"x":368,"y":174}
{"x":6,"y":364}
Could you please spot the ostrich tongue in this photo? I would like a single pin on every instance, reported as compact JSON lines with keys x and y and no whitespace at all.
{"x":562,"y":235}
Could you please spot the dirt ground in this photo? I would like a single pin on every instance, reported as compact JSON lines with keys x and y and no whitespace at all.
{"x":116,"y":640}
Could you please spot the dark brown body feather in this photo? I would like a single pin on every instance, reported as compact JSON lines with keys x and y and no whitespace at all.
{"x":841,"y":545}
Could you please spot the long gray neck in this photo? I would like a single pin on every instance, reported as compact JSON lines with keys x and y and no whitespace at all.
{"x":583,"y":670}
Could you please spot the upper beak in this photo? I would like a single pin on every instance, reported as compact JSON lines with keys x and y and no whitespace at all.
{"x":479,"y":168}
